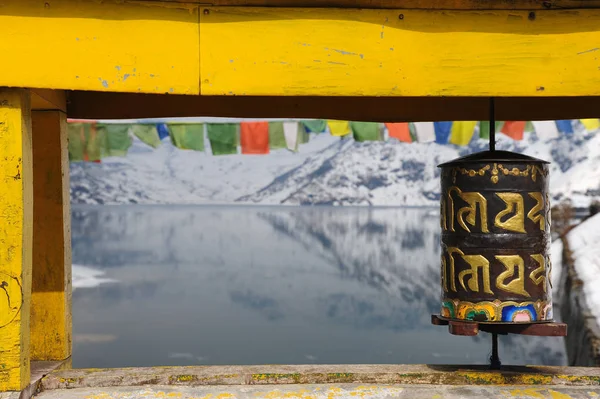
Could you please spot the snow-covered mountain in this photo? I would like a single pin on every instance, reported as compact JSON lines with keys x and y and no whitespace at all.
{"x":327,"y":170}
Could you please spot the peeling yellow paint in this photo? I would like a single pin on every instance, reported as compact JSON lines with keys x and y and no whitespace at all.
{"x":531,"y":392}
{"x":558,"y":395}
{"x":580,"y":379}
{"x":334,"y":392}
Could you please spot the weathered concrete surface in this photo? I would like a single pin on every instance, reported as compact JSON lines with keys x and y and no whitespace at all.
{"x":39,"y":369}
{"x":326,"y":374}
{"x":327,"y":391}
{"x":322,"y":382}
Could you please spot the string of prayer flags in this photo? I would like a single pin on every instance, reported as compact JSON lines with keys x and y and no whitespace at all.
{"x":591,"y":125}
{"x":315,"y":126}
{"x":187,"y":136}
{"x":254,"y":137}
{"x":399,"y":131}
{"x":338,"y":128}
{"x":291,"y":131}
{"x":514,"y":129}
{"x":366,"y":131}
{"x":565,"y":126}
{"x":442,"y":132}
{"x":276,"y":136}
{"x":462,"y":132}
{"x":223,"y":138}
{"x":148,"y":134}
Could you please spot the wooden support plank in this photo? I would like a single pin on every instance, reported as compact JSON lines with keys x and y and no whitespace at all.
{"x":366,"y":52}
{"x":122,"y":46}
{"x":97,"y":105}
{"x":45,"y":99}
{"x":16,"y":203}
{"x":51,"y":288}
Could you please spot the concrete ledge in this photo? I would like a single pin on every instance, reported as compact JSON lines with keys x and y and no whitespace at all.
{"x":342,"y":391}
{"x":197,"y":376}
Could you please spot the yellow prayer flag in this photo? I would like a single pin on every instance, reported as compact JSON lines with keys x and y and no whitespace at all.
{"x":591,"y":124}
{"x":338,"y":128}
{"x":462,"y":132}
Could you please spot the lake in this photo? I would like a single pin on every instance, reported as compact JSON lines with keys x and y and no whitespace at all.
{"x":267,"y":285}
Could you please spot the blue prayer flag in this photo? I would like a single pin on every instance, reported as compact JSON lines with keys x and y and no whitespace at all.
{"x":163,"y":130}
{"x":442,"y":132}
{"x":565,"y":126}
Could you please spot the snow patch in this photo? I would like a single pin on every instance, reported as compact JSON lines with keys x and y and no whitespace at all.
{"x":88,"y":277}
{"x":584,"y":243}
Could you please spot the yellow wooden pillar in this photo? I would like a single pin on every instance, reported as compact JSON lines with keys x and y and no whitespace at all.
{"x":16,"y":211}
{"x":51,"y":287}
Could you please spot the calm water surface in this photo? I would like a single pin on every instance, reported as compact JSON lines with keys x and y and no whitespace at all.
{"x":268,"y":285}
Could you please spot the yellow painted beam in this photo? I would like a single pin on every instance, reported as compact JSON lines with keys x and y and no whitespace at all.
{"x":121,"y":46}
{"x":162,"y":47}
{"x":51,"y":323}
{"x":408,"y":4}
{"x":16,"y":203}
{"x":351,"y":52}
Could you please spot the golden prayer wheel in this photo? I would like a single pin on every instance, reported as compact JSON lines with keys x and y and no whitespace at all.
{"x":495,"y":220}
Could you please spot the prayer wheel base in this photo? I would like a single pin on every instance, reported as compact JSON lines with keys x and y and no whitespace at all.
{"x":472,"y":328}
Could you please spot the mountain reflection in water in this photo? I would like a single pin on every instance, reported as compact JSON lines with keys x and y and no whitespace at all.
{"x":268,"y":285}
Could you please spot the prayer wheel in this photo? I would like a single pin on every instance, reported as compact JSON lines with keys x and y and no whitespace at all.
{"x":495,"y":220}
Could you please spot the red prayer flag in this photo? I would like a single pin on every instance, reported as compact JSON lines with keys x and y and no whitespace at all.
{"x":254,"y":137}
{"x":514,"y":129}
{"x":399,"y":131}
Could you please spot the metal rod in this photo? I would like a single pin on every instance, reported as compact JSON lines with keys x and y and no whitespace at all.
{"x":492,"y":125}
{"x":495,"y":359}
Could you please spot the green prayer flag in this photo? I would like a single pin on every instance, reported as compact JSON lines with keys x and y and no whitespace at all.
{"x":303,"y":135}
{"x":76,"y":133}
{"x":147,"y":134}
{"x":187,"y":136}
{"x":413,"y":132}
{"x":484,"y":128}
{"x":529,"y":126}
{"x":276,"y":136}
{"x":366,"y":131}
{"x":112,"y":139}
{"x":315,"y":126}
{"x":223,"y":138}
